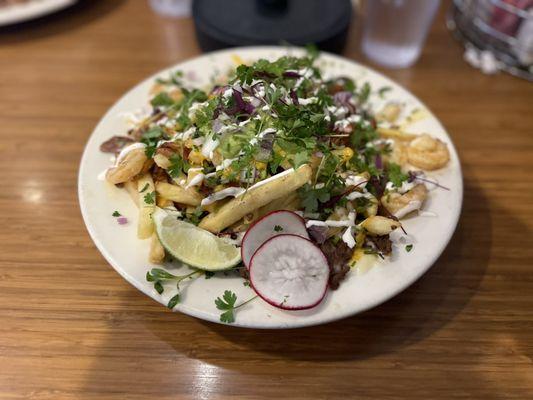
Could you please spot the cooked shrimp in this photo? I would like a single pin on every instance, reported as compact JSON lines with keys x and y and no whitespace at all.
{"x":428,"y":153}
{"x":400,"y":205}
{"x":398,"y":154}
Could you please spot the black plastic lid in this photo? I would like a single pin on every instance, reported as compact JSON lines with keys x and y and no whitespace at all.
{"x":228,"y":23}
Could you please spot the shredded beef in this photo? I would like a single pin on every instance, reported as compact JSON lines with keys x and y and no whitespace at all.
{"x":115,"y":144}
{"x":159,"y":174}
{"x":337,"y":255}
{"x":318,"y":233}
{"x":382,"y":243}
{"x":168,"y":149}
{"x":245,"y":274}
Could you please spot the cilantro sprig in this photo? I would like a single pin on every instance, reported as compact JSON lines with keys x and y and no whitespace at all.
{"x":227,"y":305}
{"x":149,"y":198}
{"x":159,"y":276}
{"x":395,"y":174}
{"x":178,"y":165}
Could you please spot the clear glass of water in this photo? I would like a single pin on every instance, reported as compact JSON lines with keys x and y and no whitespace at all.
{"x":172,"y":8}
{"x":395,"y":30}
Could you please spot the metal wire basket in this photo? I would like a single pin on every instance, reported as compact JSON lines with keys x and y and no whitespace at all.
{"x":504,"y":27}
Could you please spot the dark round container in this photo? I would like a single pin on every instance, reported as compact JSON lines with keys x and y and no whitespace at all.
{"x":228,"y":23}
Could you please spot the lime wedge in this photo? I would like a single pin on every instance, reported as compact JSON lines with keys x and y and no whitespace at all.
{"x":194,"y":246}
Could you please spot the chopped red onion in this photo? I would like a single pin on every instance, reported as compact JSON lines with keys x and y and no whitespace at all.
{"x":294,"y":98}
{"x":378,"y":161}
{"x":291,"y":74}
{"x":342,"y":99}
{"x":243,"y":106}
{"x":122,"y":220}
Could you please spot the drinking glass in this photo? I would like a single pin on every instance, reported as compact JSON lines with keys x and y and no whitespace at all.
{"x":172,"y":8}
{"x":395,"y":30}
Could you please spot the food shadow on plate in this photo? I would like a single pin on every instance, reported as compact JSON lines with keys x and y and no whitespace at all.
{"x":68,"y":19}
{"x":425,"y":307}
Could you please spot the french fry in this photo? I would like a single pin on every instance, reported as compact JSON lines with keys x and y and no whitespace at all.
{"x":163,"y":202}
{"x":157,"y":251}
{"x":146,"y":193}
{"x":178,"y":194}
{"x":390,"y":133}
{"x":290,"y":202}
{"x":131,"y":188}
{"x":162,"y":161}
{"x":128,"y":167}
{"x":255,"y":198}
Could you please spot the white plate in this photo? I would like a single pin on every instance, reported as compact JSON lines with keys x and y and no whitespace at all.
{"x":357,"y":293}
{"x":32,"y":9}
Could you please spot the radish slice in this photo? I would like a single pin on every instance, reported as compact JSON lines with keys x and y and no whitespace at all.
{"x":290,"y":272}
{"x":273,"y":224}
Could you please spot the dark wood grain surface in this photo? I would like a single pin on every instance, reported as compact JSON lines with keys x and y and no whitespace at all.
{"x":72,"y":328}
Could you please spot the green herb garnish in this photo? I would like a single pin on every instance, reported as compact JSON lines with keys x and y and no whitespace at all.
{"x":158,"y":276}
{"x":395,"y":174}
{"x":144,"y":187}
{"x":227,"y":304}
{"x":162,"y":99}
{"x":177,"y":166}
{"x":149,"y":198}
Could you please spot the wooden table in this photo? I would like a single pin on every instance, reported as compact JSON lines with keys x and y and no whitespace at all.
{"x":72,"y":328}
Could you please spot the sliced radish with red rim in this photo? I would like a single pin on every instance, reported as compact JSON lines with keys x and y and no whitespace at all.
{"x":290,"y":272}
{"x":273,"y":224}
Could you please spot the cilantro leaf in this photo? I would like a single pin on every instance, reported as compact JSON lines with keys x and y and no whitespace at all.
{"x":144,"y":187}
{"x":228,"y":316}
{"x":300,"y":158}
{"x":177,"y":166}
{"x":150,"y":139}
{"x":364,"y":93}
{"x":278,"y":228}
{"x":116,"y":214}
{"x":149,"y":198}
{"x":311,"y":197}
{"x":174,"y":301}
{"x":162,"y":99}
{"x":395,"y":174}
{"x":383,"y":90}
{"x":159,"y":287}
{"x":408,"y":248}
{"x":227,"y":302}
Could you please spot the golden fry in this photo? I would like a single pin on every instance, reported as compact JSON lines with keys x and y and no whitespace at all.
{"x":255,"y":198}
{"x":178,"y":194}
{"x":127,"y":168}
{"x":146,"y":193}
{"x":131,"y":188}
{"x":390,"y":133}
{"x":157,"y":251}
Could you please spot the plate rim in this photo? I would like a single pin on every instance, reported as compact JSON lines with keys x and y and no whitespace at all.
{"x":20,"y":13}
{"x":435,"y":255}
